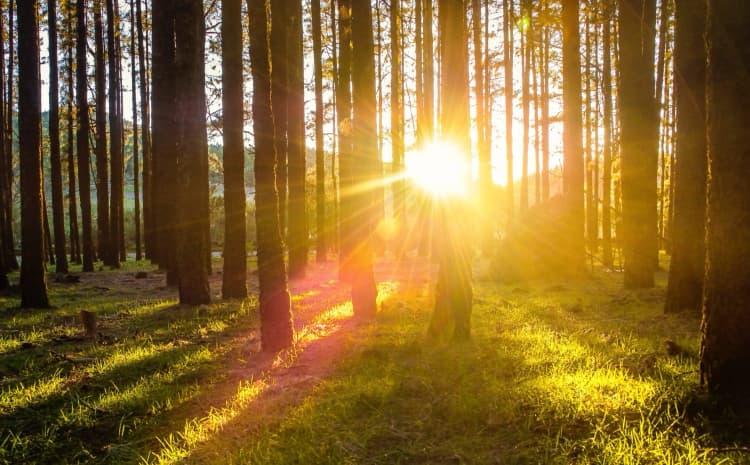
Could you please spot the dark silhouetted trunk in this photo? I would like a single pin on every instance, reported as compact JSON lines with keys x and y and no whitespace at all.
{"x":82,"y":138}
{"x":320,"y":174}
{"x":234,"y":277}
{"x":75,"y":240}
{"x":685,"y":288}
{"x":102,"y":167}
{"x":277,"y":331}
{"x":485,"y":164}
{"x":61,"y":259}
{"x":115,"y":138}
{"x":280,"y":63}
{"x":136,"y":167}
{"x":148,"y":212}
{"x":397,"y":116}
{"x":8,"y":236}
{"x":525,"y":102}
{"x":344,"y":117}
{"x":192,"y":201}
{"x":608,"y":136}
{"x":725,"y":347}
{"x":508,"y":91}
{"x":33,"y":279}
{"x":638,"y":157}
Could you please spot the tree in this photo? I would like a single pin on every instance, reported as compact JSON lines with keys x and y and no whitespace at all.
{"x":7,"y":139}
{"x":134,"y":90}
{"x":116,"y":159}
{"x":344,"y":116}
{"x":33,"y":279}
{"x":61,"y":260}
{"x":148,"y":220}
{"x":485,"y":163}
{"x":320,"y":178}
{"x":75,"y":242}
{"x":607,"y":146}
{"x":279,"y":97}
{"x":572,"y":127}
{"x":234,"y":277}
{"x":725,"y":348}
{"x":277,"y":330}
{"x":297,"y":219}
{"x":685,"y":287}
{"x":638,"y":161}
{"x":82,"y":137}
{"x":397,"y":115}
{"x":363,"y":163}
{"x":192,"y":202}
{"x":453,"y":292}
{"x":102,"y":168}
{"x":508,"y":59}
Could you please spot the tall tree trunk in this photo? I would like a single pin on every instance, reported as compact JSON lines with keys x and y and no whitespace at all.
{"x":453,"y":292}
{"x":148,"y":212}
{"x":320,"y":177}
{"x":102,"y":168}
{"x":397,"y":116}
{"x":725,"y":347}
{"x":334,"y":241}
{"x":115,"y":138}
{"x":82,"y":138}
{"x":192,"y":204}
{"x":638,"y":159}
{"x":545,"y":109}
{"x":280,"y":63}
{"x":75,"y":241}
{"x":607,"y":146}
{"x":61,"y":260}
{"x":364,"y":163}
{"x":234,"y":276}
{"x":164,"y":137}
{"x":298,"y":246}
{"x":685,"y":288}
{"x":33,"y":276}
{"x":277,"y":330}
{"x":136,"y":167}
{"x":8,"y":236}
{"x":525,"y":101}
{"x":485,"y":164}
{"x":344,"y":114}
{"x":573,"y":169}
{"x":429,"y":71}
{"x":508,"y":59}
{"x":4,"y":186}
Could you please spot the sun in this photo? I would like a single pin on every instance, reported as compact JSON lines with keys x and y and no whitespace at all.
{"x":440,"y":169}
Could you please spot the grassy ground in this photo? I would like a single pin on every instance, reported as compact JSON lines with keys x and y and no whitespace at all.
{"x":556,"y":372}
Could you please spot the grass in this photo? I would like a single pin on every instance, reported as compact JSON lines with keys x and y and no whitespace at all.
{"x":556,"y":372}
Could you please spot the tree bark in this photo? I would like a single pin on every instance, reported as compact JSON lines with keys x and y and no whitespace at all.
{"x":234,"y":277}
{"x":192,"y":203}
{"x":82,"y":138}
{"x":608,"y":136}
{"x":280,"y":64}
{"x":8,"y":236}
{"x":725,"y":347}
{"x":75,"y":242}
{"x":344,"y":114}
{"x":277,"y":330}
{"x":508,"y":91}
{"x":685,"y":286}
{"x":136,"y":164}
{"x":148,"y":212}
{"x":320,"y":179}
{"x":33,"y":273}
{"x":116,"y":159}
{"x":102,"y":168}
{"x":397,"y":116}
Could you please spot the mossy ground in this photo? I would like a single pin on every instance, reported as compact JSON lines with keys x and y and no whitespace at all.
{"x":572,"y":371}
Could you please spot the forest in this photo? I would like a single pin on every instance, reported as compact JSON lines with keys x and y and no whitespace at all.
{"x":374,"y":231}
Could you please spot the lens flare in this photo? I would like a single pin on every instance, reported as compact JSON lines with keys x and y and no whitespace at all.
{"x":440,"y":169}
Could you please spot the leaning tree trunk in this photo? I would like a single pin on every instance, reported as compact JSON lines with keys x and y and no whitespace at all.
{"x":364,"y":163}
{"x":277,"y":330}
{"x":234,"y":277}
{"x":685,"y":288}
{"x":192,"y":203}
{"x":725,"y":347}
{"x":33,"y":279}
{"x":82,"y":138}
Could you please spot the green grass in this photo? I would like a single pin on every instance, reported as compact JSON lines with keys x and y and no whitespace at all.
{"x":569,"y":372}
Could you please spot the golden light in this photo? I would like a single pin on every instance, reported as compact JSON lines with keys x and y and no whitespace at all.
{"x":440,"y":169}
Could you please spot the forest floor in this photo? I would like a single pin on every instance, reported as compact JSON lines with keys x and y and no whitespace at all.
{"x":557,"y":371}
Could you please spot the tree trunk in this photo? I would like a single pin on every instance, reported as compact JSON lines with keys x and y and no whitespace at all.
{"x":485,"y":164}
{"x":4,"y":186}
{"x":397,"y":117}
{"x":164,"y":137}
{"x":344,"y":114}
{"x":508,"y":59}
{"x":453,"y":292}
{"x":234,"y":277}
{"x":297,"y":236}
{"x":277,"y":330}
{"x":638,"y":157}
{"x":148,"y":213}
{"x":102,"y":168}
{"x":608,"y":136}
{"x":136,"y":167}
{"x":75,"y":242}
{"x":364,"y":163}
{"x":429,"y":71}
{"x":115,"y":139}
{"x":573,"y":169}
{"x":525,"y":100}
{"x":61,"y":260}
{"x":8,"y":236}
{"x":33,"y":279}
{"x":192,"y":204}
{"x":82,"y":138}
{"x":685,"y":288}
{"x":320,"y":178}
{"x":280,"y":64}
{"x":725,"y":347}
